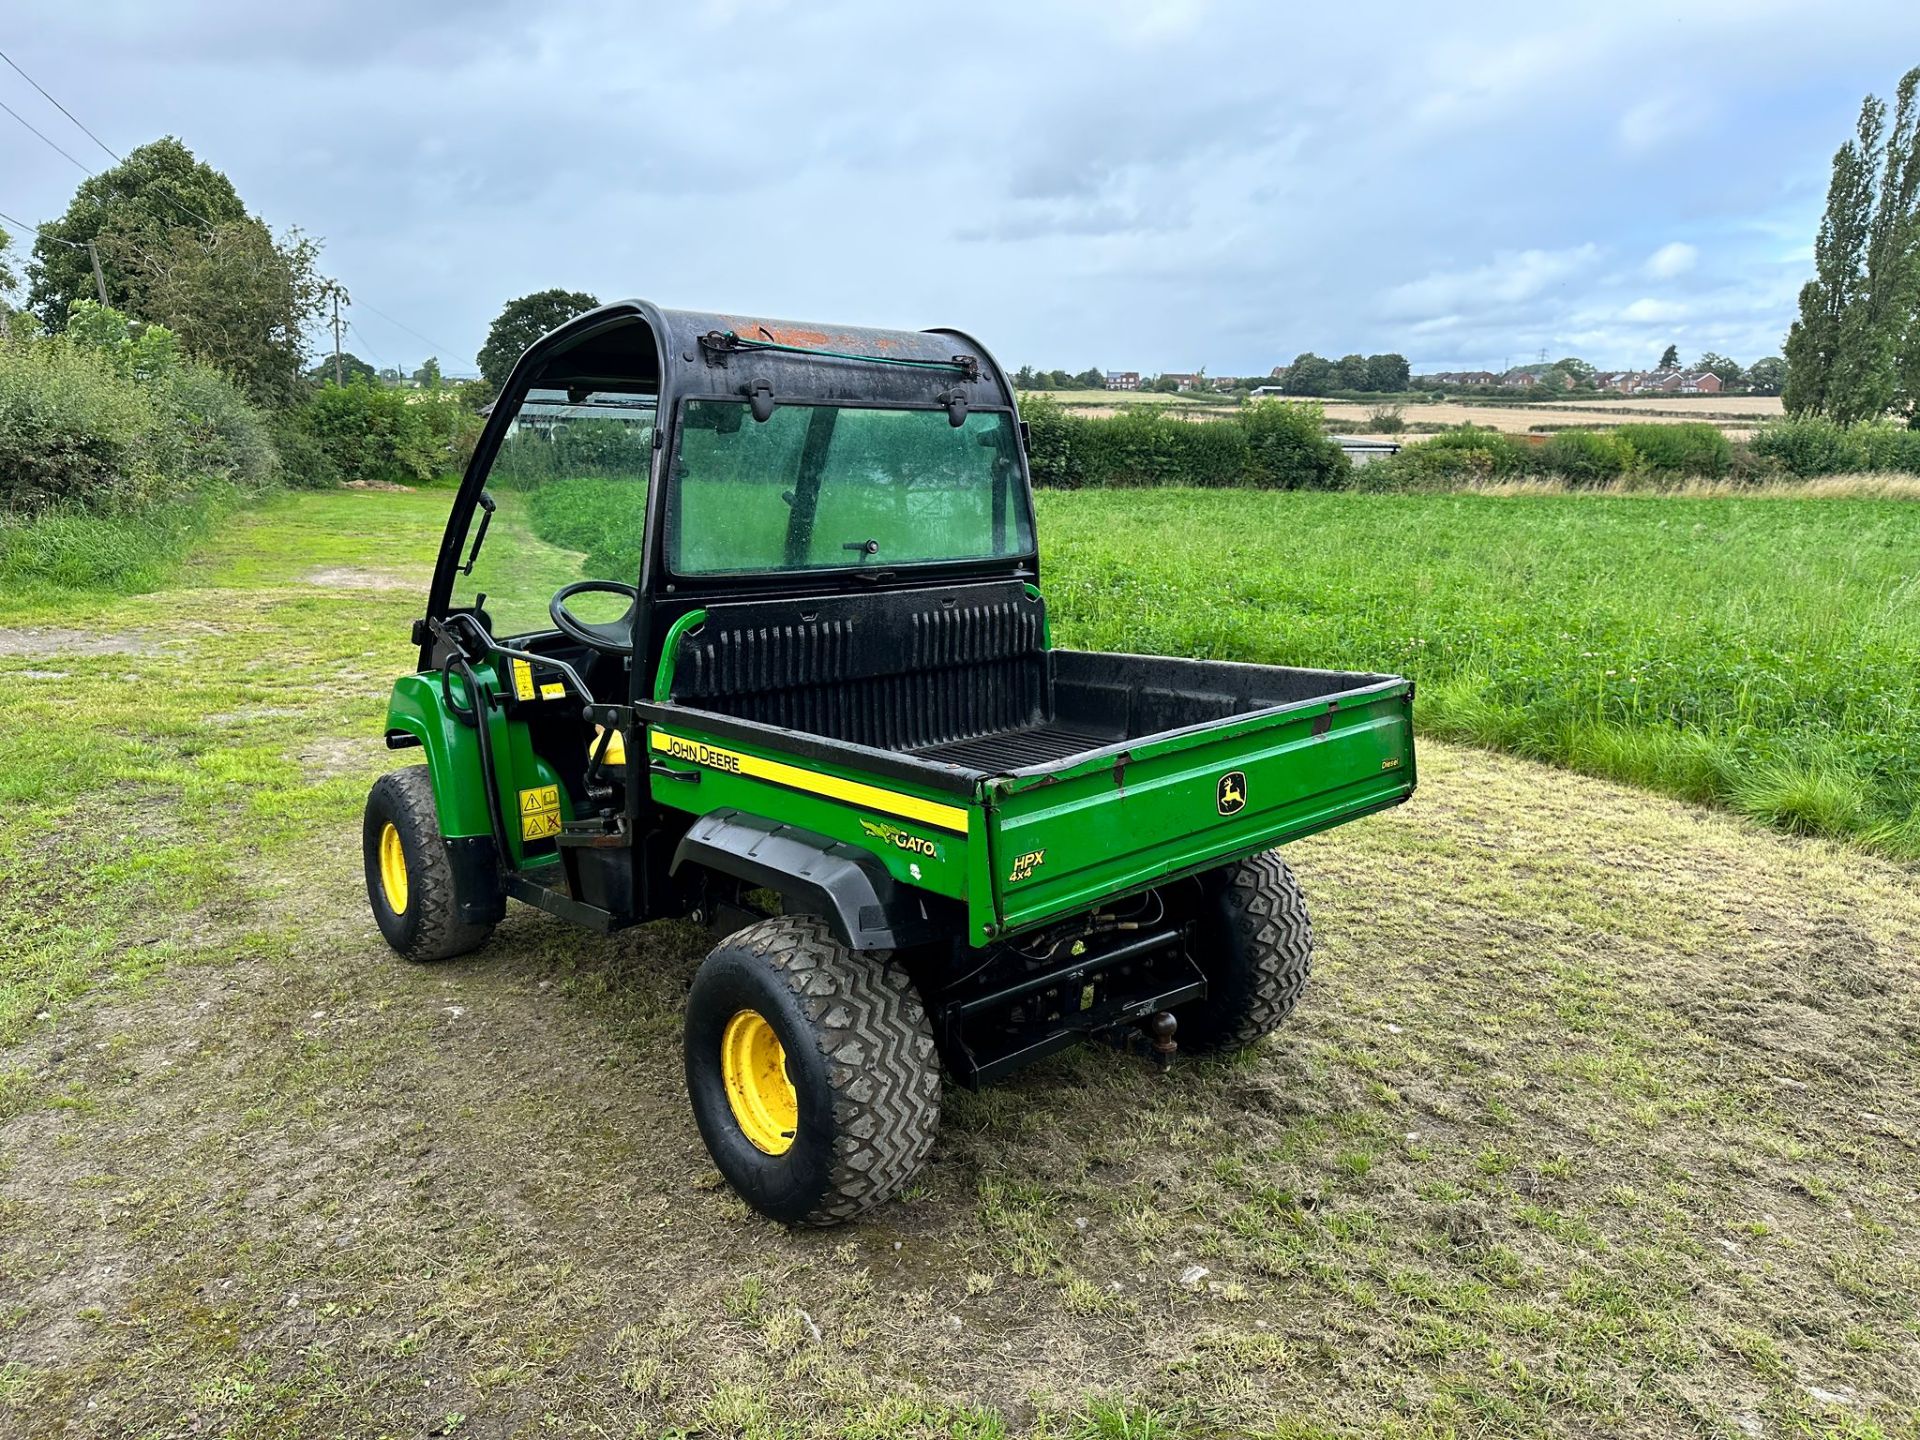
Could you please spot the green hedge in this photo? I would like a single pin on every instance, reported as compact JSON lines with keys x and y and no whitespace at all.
{"x":1588,"y":457}
{"x":1270,"y":444}
{"x":1810,"y":447}
{"x":109,"y":418}
{"x":361,"y":431}
{"x":1691,"y":449}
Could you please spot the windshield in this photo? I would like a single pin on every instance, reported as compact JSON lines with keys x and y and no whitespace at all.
{"x":817,"y":487}
{"x":569,"y":490}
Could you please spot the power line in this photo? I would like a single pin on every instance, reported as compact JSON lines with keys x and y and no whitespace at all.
{"x":425,"y":339}
{"x":29,"y":124}
{"x":56,"y":104}
{"x":359,"y":335}
{"x":70,"y":244}
{"x":156,"y":190}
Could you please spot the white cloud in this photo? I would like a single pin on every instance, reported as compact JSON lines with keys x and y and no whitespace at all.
{"x":1510,"y":278}
{"x":1650,"y":124}
{"x":1675,"y":258}
{"x":1648,"y":310}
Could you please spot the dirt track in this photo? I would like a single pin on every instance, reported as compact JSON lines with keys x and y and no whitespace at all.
{"x":1600,"y":1115}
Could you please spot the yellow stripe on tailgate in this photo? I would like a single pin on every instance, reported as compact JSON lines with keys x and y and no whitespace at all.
{"x":870,"y":797}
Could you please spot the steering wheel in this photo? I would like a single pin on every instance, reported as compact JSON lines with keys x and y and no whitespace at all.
{"x":610,"y":637}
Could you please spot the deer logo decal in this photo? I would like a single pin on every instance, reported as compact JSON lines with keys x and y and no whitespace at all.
{"x":1232,"y":792}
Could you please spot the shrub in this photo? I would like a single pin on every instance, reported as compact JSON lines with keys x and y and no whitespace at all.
{"x":1690,"y":448}
{"x":1387,"y":419}
{"x":1587,"y":457}
{"x":368,"y":432}
{"x":1485,"y":451}
{"x":1290,"y":449}
{"x":1274,"y":444}
{"x":1805,"y":447}
{"x":1884,"y":445}
{"x":73,"y":431}
{"x":223,"y":435}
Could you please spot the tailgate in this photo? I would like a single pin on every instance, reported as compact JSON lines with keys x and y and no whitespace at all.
{"x":1062,"y":840}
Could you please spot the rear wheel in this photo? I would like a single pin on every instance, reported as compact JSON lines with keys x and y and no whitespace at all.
{"x":410,"y":880}
{"x":812,"y":1072}
{"x":1253,"y":940}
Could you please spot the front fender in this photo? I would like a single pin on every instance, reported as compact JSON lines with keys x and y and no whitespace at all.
{"x":417,"y":714}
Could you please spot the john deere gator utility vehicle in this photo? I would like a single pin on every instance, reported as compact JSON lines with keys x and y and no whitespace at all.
{"x":743,"y":620}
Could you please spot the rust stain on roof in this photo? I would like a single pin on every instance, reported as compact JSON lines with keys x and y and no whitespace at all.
{"x":748,"y":328}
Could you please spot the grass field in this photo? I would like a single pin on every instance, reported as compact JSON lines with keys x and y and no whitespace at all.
{"x":1758,"y":655}
{"x":1600,"y":1117}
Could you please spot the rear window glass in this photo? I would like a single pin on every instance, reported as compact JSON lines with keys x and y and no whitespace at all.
{"x":822,"y":487}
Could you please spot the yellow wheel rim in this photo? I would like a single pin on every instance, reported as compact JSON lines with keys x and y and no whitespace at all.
{"x":754,"y":1066}
{"x":393,"y":869}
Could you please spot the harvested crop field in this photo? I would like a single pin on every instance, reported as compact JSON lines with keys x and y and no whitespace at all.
{"x":1601,"y":1116}
{"x":1738,"y":416}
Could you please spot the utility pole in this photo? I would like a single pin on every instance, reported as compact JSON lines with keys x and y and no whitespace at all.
{"x":99,"y":280}
{"x":336,"y":336}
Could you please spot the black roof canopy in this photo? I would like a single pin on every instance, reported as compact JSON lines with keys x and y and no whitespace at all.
{"x":710,"y":354}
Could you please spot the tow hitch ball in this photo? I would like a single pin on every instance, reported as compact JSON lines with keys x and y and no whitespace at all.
{"x":1160,"y":1028}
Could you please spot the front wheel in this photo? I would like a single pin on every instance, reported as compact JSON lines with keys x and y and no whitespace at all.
{"x":1254,"y":942}
{"x":812,"y":1072}
{"x":410,"y":879}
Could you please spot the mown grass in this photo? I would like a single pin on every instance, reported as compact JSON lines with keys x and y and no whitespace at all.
{"x":1755,"y":656}
{"x":1598,"y":1117}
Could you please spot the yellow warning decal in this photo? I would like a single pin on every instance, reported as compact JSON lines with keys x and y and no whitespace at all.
{"x":552,"y":690}
{"x":522,"y":680}
{"x":540,"y":812}
{"x":867,"y":797}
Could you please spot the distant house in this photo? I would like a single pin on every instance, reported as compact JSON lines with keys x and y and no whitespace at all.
{"x":1279,"y":372}
{"x":1457,"y":378}
{"x":1184,"y":381}
{"x":1123,"y":379}
{"x":1519,"y":379}
{"x":1259,"y":391}
{"x":1699,"y":382}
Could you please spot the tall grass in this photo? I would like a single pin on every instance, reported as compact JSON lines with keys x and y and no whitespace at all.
{"x":1759,"y":657}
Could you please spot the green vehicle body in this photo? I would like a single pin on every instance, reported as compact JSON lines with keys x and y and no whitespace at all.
{"x":962,"y":853}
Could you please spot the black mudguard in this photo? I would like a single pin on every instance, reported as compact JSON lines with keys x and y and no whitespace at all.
{"x":814,"y":874}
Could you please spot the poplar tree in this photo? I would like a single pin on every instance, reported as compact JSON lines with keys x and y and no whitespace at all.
{"x":1854,"y":353}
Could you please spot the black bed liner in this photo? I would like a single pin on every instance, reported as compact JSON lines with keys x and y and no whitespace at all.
{"x":962,"y":678}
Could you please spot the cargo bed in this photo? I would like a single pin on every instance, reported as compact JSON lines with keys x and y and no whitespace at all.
{"x":1129,"y":770}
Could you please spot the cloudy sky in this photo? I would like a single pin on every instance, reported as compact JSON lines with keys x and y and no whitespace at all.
{"x":1147,"y":186}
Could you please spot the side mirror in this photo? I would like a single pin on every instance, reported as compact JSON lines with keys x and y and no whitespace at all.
{"x":760,"y":398}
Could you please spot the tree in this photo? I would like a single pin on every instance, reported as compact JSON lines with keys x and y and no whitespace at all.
{"x":1092,"y":378}
{"x":523,"y":321}
{"x":1350,"y":372}
{"x":135,"y":206}
{"x":1023,"y":379}
{"x":1670,"y":358}
{"x":1728,"y":370}
{"x":9,"y":278}
{"x":1851,"y":354}
{"x":1162,"y":385}
{"x":1309,"y":374}
{"x":1577,"y":369}
{"x":352,"y":368}
{"x":1388,"y":372}
{"x":1766,"y":376}
{"x":238,"y":297}
{"x":427,"y":377}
